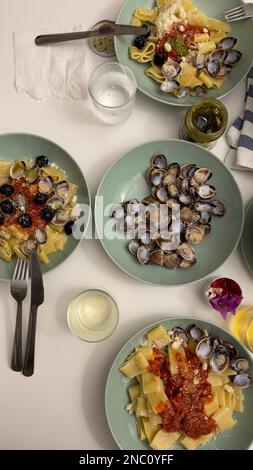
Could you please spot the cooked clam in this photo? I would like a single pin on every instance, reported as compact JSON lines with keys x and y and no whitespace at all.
{"x":186,"y":251}
{"x":179,"y":334}
{"x":233,"y":57}
{"x":185,"y":186}
{"x":145,"y":237}
{"x":219,"y":362}
{"x":29,"y":246}
{"x":217,"y":208}
{"x":186,"y":215}
{"x":173,"y":190}
{"x":213,"y":67}
{"x":159,"y":161}
{"x":186,"y":169}
{"x":18,"y":170}
{"x":227,"y":43}
{"x":218,"y":55}
{"x":204,"y":207}
{"x":186,"y":264}
{"x":157,"y":257}
{"x":171,"y":260}
{"x":150,"y":200}
{"x":206,"y":228}
{"x":55,"y":202}
{"x":240,"y":365}
{"x":224,"y":70}
{"x":183,"y":91}
{"x":199,"y":90}
{"x":32,"y":174}
{"x":174,"y":169}
{"x":133,"y":247}
{"x":46,"y":185}
{"x":164,"y":245}
{"x":60,"y":218}
{"x":202,"y":175}
{"x":206,"y":191}
{"x":171,"y":69}
{"x":241,"y":380}
{"x":118,"y":211}
{"x":204,"y":349}
{"x":162,"y":194}
{"x":230,"y":350}
{"x":62,"y":189}
{"x":156,"y":177}
{"x":200,"y":61}
{"x":205,"y":217}
{"x":41,"y":236}
{"x":143,"y":254}
{"x":134,"y":207}
{"x":169,"y":85}
{"x":185,"y":199}
{"x":169,"y":179}
{"x":194,"y":234}
{"x":196,"y":333}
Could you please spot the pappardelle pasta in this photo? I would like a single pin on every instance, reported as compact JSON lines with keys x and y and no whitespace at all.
{"x":188,"y":385}
{"x":37,"y":208}
{"x":187,"y":52}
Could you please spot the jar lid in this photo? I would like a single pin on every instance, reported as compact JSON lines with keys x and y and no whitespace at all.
{"x":102,"y":45}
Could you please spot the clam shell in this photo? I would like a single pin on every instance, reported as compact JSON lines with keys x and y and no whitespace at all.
{"x":143,"y":255}
{"x":32,"y":174}
{"x":171,"y":260}
{"x":62,"y":189}
{"x":55,"y":202}
{"x":46,"y":185}
{"x":233,"y":57}
{"x":159,"y":161}
{"x":18,"y":169}
{"x":169,"y":85}
{"x":133,"y":247}
{"x":227,"y":43}
{"x":157,"y":257}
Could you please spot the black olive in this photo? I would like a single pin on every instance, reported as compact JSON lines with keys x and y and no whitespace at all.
{"x":25,"y":220}
{"x":68,"y":227}
{"x":42,"y":160}
{"x":159,"y":58}
{"x":139,"y":42}
{"x":1,"y":218}
{"x":40,"y":198}
{"x":47,"y":214}
{"x":7,"y":206}
{"x":7,"y":190}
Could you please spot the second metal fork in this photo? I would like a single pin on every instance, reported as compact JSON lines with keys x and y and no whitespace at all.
{"x":239,"y":13}
{"x":19,"y":284}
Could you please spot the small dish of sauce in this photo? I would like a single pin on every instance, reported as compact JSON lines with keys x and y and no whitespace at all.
{"x":93,"y":315}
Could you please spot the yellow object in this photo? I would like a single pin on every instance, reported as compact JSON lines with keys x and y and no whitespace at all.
{"x":207,"y":46}
{"x":239,"y":324}
{"x":250,"y":335}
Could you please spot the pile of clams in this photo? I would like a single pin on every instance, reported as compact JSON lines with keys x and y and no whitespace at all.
{"x":217,"y":354}
{"x":156,"y":234}
{"x":219,"y":63}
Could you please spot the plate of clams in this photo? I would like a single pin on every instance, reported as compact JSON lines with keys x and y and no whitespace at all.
{"x":173,"y":213}
{"x":27,"y":146}
{"x":218,"y":350}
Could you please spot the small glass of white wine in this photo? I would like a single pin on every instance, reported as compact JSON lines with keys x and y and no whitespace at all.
{"x":93,"y":315}
{"x":112,"y":89}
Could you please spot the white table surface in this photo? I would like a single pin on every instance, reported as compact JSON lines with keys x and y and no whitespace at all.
{"x":62,"y":405}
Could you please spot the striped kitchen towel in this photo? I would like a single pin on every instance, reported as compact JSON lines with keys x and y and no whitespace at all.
{"x":240,"y":135}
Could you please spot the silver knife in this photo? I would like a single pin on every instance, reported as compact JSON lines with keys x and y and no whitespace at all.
{"x":37,"y":298}
{"x":109,"y":29}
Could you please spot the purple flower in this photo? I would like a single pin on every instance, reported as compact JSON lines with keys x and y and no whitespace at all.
{"x":227,"y":303}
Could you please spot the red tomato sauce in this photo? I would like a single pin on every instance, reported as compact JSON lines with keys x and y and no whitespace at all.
{"x":186,"y":391}
{"x":187,"y":34}
{"x":29,"y":191}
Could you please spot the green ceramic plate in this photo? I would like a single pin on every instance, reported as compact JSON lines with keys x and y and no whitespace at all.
{"x":122,"y":424}
{"x":242,"y":30}
{"x":247,"y":237}
{"x":15,"y":146}
{"x":126,"y":180}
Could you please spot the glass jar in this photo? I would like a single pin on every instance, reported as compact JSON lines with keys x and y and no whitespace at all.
{"x":205,"y":122}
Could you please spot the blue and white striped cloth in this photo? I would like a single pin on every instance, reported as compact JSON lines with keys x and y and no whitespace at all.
{"x":240,"y":134}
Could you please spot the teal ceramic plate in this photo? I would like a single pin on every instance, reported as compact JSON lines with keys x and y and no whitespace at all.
{"x":16,"y":146}
{"x":122,"y":424}
{"x":247,"y":237}
{"x":126,"y":180}
{"x":242,"y":30}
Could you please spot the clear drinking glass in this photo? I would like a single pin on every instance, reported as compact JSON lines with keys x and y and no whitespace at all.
{"x":112,"y":88}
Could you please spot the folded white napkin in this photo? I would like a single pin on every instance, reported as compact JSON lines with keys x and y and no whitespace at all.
{"x":240,"y":134}
{"x":54,"y":70}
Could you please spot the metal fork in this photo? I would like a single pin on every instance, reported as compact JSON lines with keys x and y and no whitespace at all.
{"x":239,"y":13}
{"x":19,"y":284}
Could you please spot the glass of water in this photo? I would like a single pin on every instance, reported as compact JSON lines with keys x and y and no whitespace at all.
{"x":112,"y":88}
